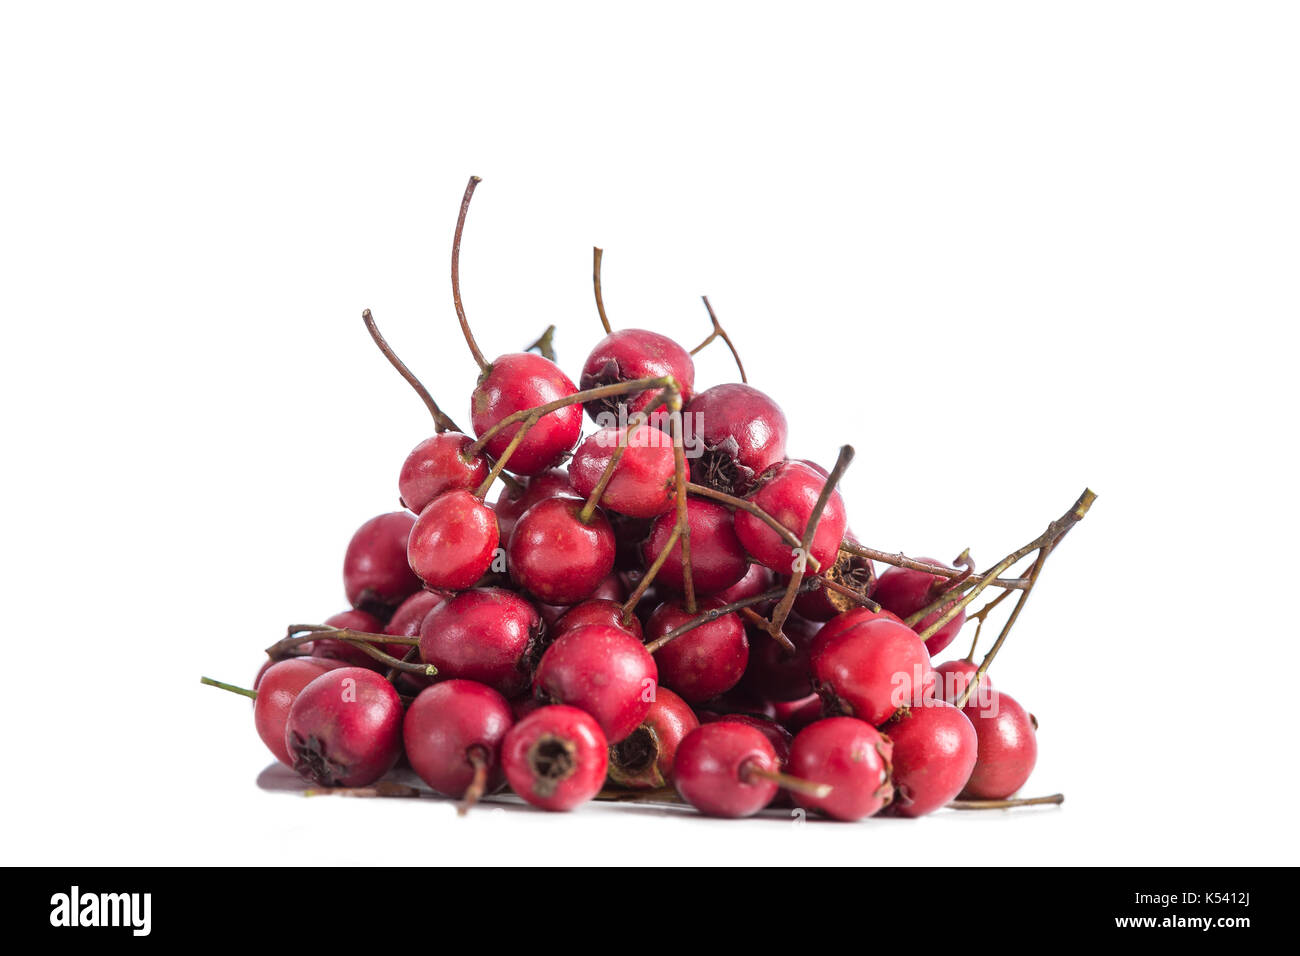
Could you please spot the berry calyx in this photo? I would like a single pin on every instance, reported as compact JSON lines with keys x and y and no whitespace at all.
{"x":344,"y":728}
{"x":742,"y":433}
{"x":626,"y":355}
{"x":555,"y":758}
{"x":643,"y":760}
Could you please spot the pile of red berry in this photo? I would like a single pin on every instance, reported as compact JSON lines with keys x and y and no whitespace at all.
{"x":671,"y":602}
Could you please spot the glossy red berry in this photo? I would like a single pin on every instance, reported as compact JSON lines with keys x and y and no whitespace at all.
{"x":344,"y":729}
{"x":604,"y":671}
{"x":1008,"y":746}
{"x":704,"y":662}
{"x":376,"y":575}
{"x":741,"y":432}
{"x":453,"y":542}
{"x":905,"y":591}
{"x":438,"y":465}
{"x":852,"y":757}
{"x":555,"y":757}
{"x":629,"y":354}
{"x":795,"y":715}
{"x":872,"y":670}
{"x":643,"y":481}
{"x":511,"y":504}
{"x":452,"y":729}
{"x":713,"y":771}
{"x":717,"y":559}
{"x":952,"y":677}
{"x":788,"y":492}
{"x":935,"y":748}
{"x":520,"y":381}
{"x":850,"y":619}
{"x":757,"y":580}
{"x":596,"y":611}
{"x":556,"y":556}
{"x":278,"y":686}
{"x":644,"y":759}
{"x":487,"y":635}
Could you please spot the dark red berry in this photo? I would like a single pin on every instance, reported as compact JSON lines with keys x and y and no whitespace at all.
{"x":376,"y":575}
{"x":555,"y":758}
{"x":871,"y":670}
{"x":596,"y":611}
{"x":344,"y":729}
{"x":642,"y":484}
{"x":905,"y":591}
{"x":935,"y":748}
{"x":278,"y":686}
{"x":451,"y":730}
{"x":704,"y":662}
{"x":757,"y":580}
{"x":795,"y":715}
{"x":741,"y":431}
{"x":717,"y":559}
{"x":644,"y":759}
{"x":852,"y":757}
{"x":788,"y":492}
{"x":776,"y":673}
{"x":520,"y":381}
{"x":438,"y":465}
{"x":776,"y":735}
{"x":604,"y":671}
{"x":556,"y":556}
{"x":1008,"y":746}
{"x":487,"y":635}
{"x":453,"y":542}
{"x":714,"y":769}
{"x":626,"y":355}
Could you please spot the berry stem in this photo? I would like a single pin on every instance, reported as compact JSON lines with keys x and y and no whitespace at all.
{"x":441,"y":423}
{"x":750,"y":771}
{"x":741,"y":504}
{"x":753,"y":617}
{"x":629,"y":606}
{"x":1054,"y":799}
{"x":848,"y":592}
{"x":805,"y":545}
{"x":714,"y":613}
{"x":604,"y":391}
{"x":1044,"y":542}
{"x":900,"y":560}
{"x":679,"y":463}
{"x":455,"y":276}
{"x":251,"y":694}
{"x":545,"y":344}
{"x":979,"y":617}
{"x":720,"y":333}
{"x":636,"y":421}
{"x":302,"y":633}
{"x":478,"y":786}
{"x":597,"y":254}
{"x":509,"y":450}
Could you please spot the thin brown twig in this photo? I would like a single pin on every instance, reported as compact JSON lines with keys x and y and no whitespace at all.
{"x":455,"y":276}
{"x":683,"y":518}
{"x":441,"y":421}
{"x":545,"y":344}
{"x":1054,"y":799}
{"x":597,"y":254}
{"x":720,"y":333}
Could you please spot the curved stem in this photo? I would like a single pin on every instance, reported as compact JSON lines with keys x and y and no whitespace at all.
{"x":1053,"y":799}
{"x":720,"y":333}
{"x":979,"y":617}
{"x":714,"y":613}
{"x":597,"y":254}
{"x":509,"y":450}
{"x":230,"y":687}
{"x":751,"y":770}
{"x":683,"y":520}
{"x":900,"y":560}
{"x":604,"y":391}
{"x":478,"y":786}
{"x":301,"y":634}
{"x":636,"y":421}
{"x":742,"y":504}
{"x":455,"y":276}
{"x":810,"y":530}
{"x":629,"y":606}
{"x":441,"y":423}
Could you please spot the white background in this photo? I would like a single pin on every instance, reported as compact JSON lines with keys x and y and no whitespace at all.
{"x":1006,"y":249}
